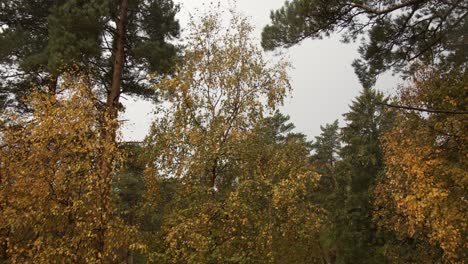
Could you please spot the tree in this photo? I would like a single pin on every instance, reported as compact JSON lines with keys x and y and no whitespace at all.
{"x":129,"y":184}
{"x":55,"y":185}
{"x":362,"y":163}
{"x":272,"y":214}
{"x":397,"y":32}
{"x":215,"y":96}
{"x":330,"y":191}
{"x":266,"y":214}
{"x":241,"y":182}
{"x":421,"y":196}
{"x":119,"y":41}
{"x":327,"y":146}
{"x":128,"y":189}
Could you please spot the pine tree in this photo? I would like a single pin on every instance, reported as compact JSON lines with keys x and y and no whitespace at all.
{"x":330,"y":190}
{"x":398,"y":32}
{"x":119,"y":41}
{"x":362,"y":163}
{"x":326,"y":147}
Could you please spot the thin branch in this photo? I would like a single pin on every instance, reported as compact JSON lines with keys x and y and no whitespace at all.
{"x":435,"y":111}
{"x":13,"y":75}
{"x":371,"y":10}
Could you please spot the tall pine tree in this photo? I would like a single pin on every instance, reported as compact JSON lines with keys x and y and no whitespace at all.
{"x":330,"y":191}
{"x":118,"y":41}
{"x":362,"y":163}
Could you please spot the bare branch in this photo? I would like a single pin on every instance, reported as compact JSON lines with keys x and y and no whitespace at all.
{"x":435,"y":111}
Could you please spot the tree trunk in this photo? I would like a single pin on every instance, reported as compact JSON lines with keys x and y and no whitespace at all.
{"x":118,"y":59}
{"x":53,"y":80}
{"x":332,"y":257}
{"x":130,"y":254}
{"x":110,"y":124}
{"x":4,"y":234}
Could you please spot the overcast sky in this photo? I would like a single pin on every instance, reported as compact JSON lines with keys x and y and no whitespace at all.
{"x":323,"y":81}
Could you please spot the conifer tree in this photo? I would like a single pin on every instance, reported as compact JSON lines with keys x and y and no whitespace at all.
{"x":399,"y":32}
{"x":330,"y":190}
{"x":119,"y":41}
{"x":327,"y":146}
{"x":362,"y":163}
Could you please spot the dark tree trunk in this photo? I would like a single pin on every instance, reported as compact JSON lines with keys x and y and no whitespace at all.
{"x":53,"y":84}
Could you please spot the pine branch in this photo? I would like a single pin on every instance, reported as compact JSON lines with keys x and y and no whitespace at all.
{"x":371,"y":10}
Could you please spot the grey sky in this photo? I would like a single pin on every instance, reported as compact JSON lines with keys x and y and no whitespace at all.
{"x":322,"y":78}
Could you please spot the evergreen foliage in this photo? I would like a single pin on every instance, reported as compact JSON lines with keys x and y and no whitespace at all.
{"x":39,"y":40}
{"x":327,"y":147}
{"x":331,"y":187}
{"x":397,"y":32}
{"x":362,"y":164}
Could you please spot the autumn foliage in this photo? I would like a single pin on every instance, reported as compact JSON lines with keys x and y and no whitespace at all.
{"x":242,"y":192}
{"x":223,"y":178}
{"x":55,"y":191}
{"x":423,"y":192}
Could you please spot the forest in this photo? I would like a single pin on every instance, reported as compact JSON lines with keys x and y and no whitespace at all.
{"x":222,"y":176}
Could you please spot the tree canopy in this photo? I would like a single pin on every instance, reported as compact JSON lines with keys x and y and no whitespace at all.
{"x":243,"y":178}
{"x":421,"y":195}
{"x":55,"y":183}
{"x":120,"y":42}
{"x":396,"y":32}
{"x":222,"y":176}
